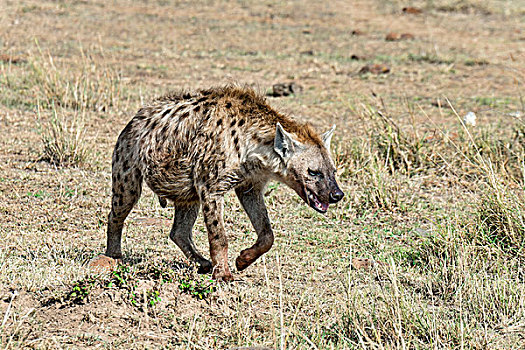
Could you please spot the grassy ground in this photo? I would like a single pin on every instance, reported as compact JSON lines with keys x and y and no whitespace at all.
{"x":436,"y":204}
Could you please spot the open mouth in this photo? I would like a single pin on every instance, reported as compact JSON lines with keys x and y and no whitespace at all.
{"x":315,"y":203}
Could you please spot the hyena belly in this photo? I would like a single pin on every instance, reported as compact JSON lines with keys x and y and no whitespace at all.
{"x":172,"y":178}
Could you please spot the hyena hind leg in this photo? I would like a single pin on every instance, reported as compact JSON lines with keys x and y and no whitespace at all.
{"x":127,"y":187}
{"x":183,"y":221}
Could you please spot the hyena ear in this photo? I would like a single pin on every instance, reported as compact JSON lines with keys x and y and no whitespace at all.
{"x":284,"y":143}
{"x":327,"y":137}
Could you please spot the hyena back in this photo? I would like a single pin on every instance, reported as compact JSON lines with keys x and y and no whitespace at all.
{"x":191,"y":148}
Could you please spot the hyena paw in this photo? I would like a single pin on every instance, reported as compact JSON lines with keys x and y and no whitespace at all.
{"x":244,"y":260}
{"x":204,"y":267}
{"x":220,"y":275}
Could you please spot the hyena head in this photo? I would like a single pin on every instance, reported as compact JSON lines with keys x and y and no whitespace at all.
{"x":308,"y":168}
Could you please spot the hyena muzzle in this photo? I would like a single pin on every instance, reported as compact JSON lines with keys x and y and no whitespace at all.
{"x":191,"y":148}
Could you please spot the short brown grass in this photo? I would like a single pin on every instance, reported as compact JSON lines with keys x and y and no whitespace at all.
{"x":437,"y":204}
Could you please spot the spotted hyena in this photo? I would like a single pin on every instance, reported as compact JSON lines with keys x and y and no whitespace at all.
{"x":192,"y":147}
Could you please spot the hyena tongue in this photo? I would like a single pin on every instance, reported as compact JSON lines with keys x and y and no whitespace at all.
{"x":324,"y":206}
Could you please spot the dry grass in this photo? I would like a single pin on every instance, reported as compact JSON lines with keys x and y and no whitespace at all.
{"x":437,"y":204}
{"x":63,"y":138}
{"x":88,"y":86}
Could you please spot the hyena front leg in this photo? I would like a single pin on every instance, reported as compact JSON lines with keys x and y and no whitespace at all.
{"x":213,"y":207}
{"x":183,"y":222}
{"x":252,"y":201}
{"x":126,"y":188}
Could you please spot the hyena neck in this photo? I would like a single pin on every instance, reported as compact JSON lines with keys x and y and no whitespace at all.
{"x":261,"y":158}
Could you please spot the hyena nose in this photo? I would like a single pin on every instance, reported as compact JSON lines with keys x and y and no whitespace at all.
{"x":336,"y":196}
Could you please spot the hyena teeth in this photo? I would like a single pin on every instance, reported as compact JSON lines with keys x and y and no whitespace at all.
{"x":193,"y":147}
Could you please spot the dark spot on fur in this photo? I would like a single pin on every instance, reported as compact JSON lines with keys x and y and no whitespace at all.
{"x":118,"y":176}
{"x":234,"y":132}
{"x":237,"y":148}
{"x":186,"y":96}
{"x":215,"y":222}
{"x":128,"y":128}
{"x":154,"y":124}
{"x":125,"y":166}
{"x":268,"y":142}
{"x":185,"y":115}
{"x":120,"y":202}
{"x":148,"y":122}
{"x":233,"y":123}
{"x":179,"y":107}
{"x":215,"y":237}
{"x":206,"y":208}
{"x":219,"y":122}
{"x":165,"y":129}
{"x":133,"y":193}
{"x":196,"y":109}
{"x":228,"y":105}
{"x":117,"y":157}
{"x":236,"y":140}
{"x":166,"y":112}
{"x":241,"y":122}
{"x":202,"y":99}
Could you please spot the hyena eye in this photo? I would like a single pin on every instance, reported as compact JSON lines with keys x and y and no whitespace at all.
{"x":315,"y":173}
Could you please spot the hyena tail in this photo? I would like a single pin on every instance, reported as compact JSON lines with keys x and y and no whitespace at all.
{"x":127,"y":187}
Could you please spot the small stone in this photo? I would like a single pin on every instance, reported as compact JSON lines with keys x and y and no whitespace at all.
{"x":412,"y":10}
{"x":440,"y":103}
{"x":393,"y":36}
{"x":285,"y":89}
{"x":375,"y":69}
{"x":470,"y":119}
{"x":11,"y":59}
{"x":355,"y":58}
{"x":103,"y":263}
{"x":365,"y":264}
